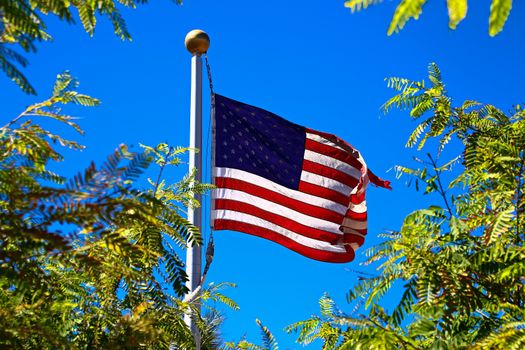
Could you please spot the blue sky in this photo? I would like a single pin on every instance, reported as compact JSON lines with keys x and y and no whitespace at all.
{"x":313,"y":63}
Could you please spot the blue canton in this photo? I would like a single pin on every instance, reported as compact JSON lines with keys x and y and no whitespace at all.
{"x":257,"y":141}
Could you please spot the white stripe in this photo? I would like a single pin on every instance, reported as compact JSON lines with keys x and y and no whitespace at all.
{"x":271,"y":207}
{"x":358,"y":225}
{"x":325,"y":182}
{"x":358,"y":208}
{"x":354,"y":246}
{"x":305,"y":241}
{"x":285,"y":191}
{"x":332,"y":163}
{"x":352,"y":232}
{"x":324,"y":141}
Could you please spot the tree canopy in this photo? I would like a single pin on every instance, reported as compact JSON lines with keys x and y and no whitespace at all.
{"x":460,"y":264}
{"x":93,"y":261}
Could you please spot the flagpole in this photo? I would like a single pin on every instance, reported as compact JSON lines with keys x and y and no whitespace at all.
{"x":197,"y":43}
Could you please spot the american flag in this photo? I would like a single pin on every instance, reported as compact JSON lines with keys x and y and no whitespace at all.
{"x":298,"y":187}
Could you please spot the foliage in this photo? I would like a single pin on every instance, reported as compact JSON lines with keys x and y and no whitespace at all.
{"x":92,"y":262}
{"x":457,"y":11}
{"x":460,"y":266}
{"x":22,"y":25}
{"x":267,"y":339}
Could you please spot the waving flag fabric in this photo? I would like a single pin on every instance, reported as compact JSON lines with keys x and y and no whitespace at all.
{"x":298,"y":187}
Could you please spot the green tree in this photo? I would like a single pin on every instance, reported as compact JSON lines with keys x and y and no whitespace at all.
{"x":92,"y":262}
{"x":460,"y":264}
{"x":457,"y":11}
{"x":22,"y":25}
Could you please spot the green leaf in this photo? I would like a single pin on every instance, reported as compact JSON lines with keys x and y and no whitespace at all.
{"x":357,"y":5}
{"x":269,"y":341}
{"x":499,"y":12}
{"x":457,"y":10}
{"x":406,"y":10}
{"x":15,"y":75}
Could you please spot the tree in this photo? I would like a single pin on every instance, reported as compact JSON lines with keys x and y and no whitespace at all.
{"x":461,"y":264}
{"x":22,"y":25}
{"x":457,"y":11}
{"x":92,"y":262}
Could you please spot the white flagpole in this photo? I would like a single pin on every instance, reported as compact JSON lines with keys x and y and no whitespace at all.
{"x":197,"y":43}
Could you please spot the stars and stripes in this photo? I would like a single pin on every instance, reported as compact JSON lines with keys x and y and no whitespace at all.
{"x":296,"y":186}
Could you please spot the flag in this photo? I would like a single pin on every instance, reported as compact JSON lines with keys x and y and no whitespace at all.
{"x":298,"y":187}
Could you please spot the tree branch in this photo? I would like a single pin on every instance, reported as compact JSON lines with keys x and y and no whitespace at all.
{"x":441,"y":190}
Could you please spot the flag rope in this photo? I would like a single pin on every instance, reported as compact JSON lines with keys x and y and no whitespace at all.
{"x":208,"y":69}
{"x":207,"y":172}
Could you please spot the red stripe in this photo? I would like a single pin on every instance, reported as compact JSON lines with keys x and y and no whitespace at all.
{"x":333,"y":138}
{"x":333,"y":152}
{"x":278,"y":220}
{"x":377,"y":181}
{"x":351,"y":238}
{"x":329,"y":172}
{"x":357,"y":198}
{"x":302,"y":207}
{"x":324,"y":192}
{"x":356,"y":216}
{"x":312,"y":253}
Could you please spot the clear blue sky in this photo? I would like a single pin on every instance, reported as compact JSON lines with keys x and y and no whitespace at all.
{"x":312,"y":62}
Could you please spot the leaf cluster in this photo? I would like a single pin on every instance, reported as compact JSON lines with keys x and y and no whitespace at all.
{"x":460,"y":264}
{"x":268,"y":341}
{"x":92,"y":261}
{"x":22,"y":25}
{"x":457,"y":11}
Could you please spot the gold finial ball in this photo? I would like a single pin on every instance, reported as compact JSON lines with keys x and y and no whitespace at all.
{"x":197,"y":42}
